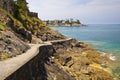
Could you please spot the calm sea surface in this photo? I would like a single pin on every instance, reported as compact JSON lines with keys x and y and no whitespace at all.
{"x":103,"y":37}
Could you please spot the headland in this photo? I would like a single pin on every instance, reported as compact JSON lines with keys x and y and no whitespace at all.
{"x":67,"y":23}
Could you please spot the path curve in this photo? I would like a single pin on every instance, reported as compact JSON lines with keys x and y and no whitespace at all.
{"x":9,"y":66}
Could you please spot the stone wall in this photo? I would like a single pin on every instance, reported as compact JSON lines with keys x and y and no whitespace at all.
{"x":34,"y":69}
{"x":40,"y":68}
{"x":33,"y":14}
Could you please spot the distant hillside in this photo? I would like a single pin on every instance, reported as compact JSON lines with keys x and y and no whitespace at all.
{"x":67,"y":22}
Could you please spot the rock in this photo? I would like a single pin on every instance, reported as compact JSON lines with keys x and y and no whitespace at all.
{"x":68,"y":59}
{"x":28,"y":35}
{"x":50,"y":35}
{"x":68,"y":62}
{"x":84,"y":54}
{"x":104,"y":64}
{"x":25,"y":33}
{"x":11,"y":45}
{"x":36,"y":40}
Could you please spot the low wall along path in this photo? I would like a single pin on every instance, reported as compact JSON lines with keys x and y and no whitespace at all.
{"x":10,"y":66}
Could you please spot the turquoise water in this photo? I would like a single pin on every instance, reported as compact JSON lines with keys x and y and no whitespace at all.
{"x":103,"y":37}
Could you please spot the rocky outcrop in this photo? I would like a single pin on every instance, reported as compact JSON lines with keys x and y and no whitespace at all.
{"x":10,"y":45}
{"x":80,"y":61}
{"x":9,"y":23}
{"x":8,"y":5}
{"x":5,"y":19}
{"x":50,"y":35}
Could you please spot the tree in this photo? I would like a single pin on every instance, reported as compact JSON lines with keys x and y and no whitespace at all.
{"x":23,"y":8}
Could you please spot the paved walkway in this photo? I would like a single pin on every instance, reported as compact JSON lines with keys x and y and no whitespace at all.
{"x":9,"y":66}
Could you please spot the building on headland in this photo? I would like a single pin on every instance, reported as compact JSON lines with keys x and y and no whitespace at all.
{"x":67,"y":22}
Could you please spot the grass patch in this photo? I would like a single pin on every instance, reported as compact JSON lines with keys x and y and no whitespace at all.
{"x":4,"y":56}
{"x":22,"y":19}
{"x":16,"y":22}
{"x":2,"y":27}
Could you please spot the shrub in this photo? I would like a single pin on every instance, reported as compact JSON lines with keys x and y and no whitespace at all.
{"x":4,"y":56}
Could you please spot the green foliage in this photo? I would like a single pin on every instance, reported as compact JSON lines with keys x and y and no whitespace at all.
{"x":116,"y":72}
{"x":21,"y":17}
{"x":16,"y":22}
{"x":2,"y":26}
{"x":21,"y":7}
{"x":4,"y":56}
{"x":30,"y":23}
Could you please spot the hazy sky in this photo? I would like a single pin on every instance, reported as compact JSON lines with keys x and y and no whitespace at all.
{"x":87,"y":11}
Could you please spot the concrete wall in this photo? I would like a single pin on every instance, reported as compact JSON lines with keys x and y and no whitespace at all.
{"x":35,"y":68}
{"x":39,"y":67}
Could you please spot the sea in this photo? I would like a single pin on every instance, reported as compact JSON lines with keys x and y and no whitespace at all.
{"x":103,"y":37}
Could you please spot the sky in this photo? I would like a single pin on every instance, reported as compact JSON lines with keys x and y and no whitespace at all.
{"x":87,"y":11}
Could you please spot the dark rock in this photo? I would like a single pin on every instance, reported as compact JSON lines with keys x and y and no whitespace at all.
{"x":67,"y":60}
{"x":25,"y":33}
{"x":50,"y":35}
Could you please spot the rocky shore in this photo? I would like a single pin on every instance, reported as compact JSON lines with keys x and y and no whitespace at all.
{"x":81,"y":61}
{"x":62,"y":60}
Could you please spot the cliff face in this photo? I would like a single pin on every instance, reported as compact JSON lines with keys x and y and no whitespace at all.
{"x":8,"y":5}
{"x":16,"y":18}
{"x":22,"y":21}
{"x":10,"y":45}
